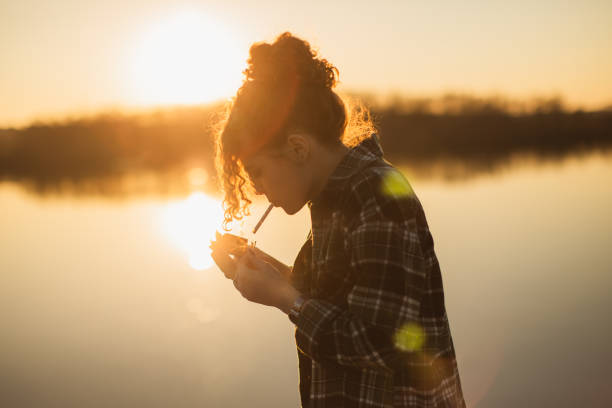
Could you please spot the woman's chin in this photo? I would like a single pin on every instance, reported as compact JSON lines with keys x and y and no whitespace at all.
{"x":291,"y":209}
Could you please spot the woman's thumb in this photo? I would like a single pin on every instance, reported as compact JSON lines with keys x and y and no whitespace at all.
{"x":253,"y":257}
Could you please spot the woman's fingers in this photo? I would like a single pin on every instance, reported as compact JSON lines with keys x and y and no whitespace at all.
{"x":238,"y":251}
{"x":232,"y":240}
{"x":225,"y":263}
{"x":258,"y":253}
{"x":236,"y":279}
{"x":242,"y":265}
{"x":281,"y":267}
{"x":255,"y":258}
{"x":261,"y":253}
{"x":227,"y":235}
{"x":260,"y":263}
{"x":228,"y":243}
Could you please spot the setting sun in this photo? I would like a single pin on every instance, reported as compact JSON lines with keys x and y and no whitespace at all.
{"x":185,"y":58}
{"x":425,"y":219}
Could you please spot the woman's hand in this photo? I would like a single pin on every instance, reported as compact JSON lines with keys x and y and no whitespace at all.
{"x":225,"y":262}
{"x":225,"y":249}
{"x":260,"y":282}
{"x":284,"y":270}
{"x":228,"y":248}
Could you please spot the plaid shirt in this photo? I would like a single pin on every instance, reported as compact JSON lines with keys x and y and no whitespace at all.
{"x":373,"y":330}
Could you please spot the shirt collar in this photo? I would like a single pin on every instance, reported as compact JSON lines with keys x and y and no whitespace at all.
{"x":359,"y":156}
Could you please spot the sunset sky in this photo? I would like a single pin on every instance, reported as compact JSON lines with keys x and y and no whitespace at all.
{"x":68,"y":57}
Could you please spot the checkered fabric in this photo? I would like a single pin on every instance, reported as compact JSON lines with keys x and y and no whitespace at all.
{"x":373,"y":331}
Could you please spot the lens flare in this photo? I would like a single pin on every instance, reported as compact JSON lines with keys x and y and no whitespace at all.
{"x":410,"y":337}
{"x":395,"y":184}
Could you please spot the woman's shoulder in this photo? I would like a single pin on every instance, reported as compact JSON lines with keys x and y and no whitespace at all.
{"x":381,"y":190}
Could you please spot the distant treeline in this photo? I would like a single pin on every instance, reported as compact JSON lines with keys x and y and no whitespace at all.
{"x":107,"y":144}
{"x":416,"y":132}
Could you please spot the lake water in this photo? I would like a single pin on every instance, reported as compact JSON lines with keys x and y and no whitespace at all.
{"x":115,"y":302}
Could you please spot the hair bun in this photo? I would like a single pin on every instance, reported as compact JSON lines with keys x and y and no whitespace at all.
{"x":287,"y":59}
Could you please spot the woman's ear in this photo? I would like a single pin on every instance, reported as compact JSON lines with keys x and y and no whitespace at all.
{"x":299,"y":147}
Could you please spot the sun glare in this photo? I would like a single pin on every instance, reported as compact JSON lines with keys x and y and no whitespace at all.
{"x":190,"y":224}
{"x":186,"y":58}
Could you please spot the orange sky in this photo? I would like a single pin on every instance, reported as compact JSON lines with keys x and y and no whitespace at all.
{"x":67,"y":56}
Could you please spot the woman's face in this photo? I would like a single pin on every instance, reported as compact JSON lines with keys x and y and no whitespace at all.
{"x":281,"y":176}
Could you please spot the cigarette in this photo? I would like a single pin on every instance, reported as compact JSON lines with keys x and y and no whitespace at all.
{"x":263,"y":217}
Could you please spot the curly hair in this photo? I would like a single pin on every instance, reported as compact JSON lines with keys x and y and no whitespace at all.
{"x":286,"y":88}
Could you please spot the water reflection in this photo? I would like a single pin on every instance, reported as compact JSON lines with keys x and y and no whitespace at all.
{"x":97,"y":294}
{"x":182,"y":180}
{"x":165,"y":184}
{"x":190,"y":224}
{"x":198,"y":177}
{"x":201,"y":312}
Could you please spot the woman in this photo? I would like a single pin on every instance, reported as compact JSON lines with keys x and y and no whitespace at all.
{"x":365,"y":291}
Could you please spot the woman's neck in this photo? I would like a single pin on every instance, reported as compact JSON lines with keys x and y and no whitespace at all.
{"x":329,"y":159}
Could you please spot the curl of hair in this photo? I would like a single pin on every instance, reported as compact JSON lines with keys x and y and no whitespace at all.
{"x":286,"y":87}
{"x":289,"y":57}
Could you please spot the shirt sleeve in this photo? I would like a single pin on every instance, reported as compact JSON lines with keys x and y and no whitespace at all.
{"x":385,"y":299}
